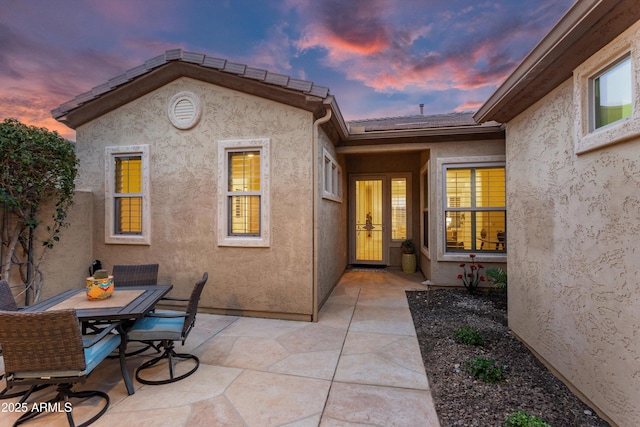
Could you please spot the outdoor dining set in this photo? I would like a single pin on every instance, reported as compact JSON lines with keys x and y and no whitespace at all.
{"x":60,"y":341}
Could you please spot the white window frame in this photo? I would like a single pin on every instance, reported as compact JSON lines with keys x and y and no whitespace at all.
{"x":425,"y":195}
{"x":332,"y":178}
{"x":110,"y":236}
{"x":224,"y":147}
{"x":586,"y":138}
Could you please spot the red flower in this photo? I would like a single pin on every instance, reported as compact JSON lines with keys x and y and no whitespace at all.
{"x":482,"y":278}
{"x":469,"y":274}
{"x":480,"y":266}
{"x":472,"y":255}
{"x":459,"y":276}
{"x":473,"y":267}
{"x":462,"y":264}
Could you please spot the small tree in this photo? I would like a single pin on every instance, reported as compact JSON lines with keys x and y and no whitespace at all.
{"x":38,"y":167}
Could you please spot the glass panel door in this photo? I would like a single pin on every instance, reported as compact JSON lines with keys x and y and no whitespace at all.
{"x":369,"y":220}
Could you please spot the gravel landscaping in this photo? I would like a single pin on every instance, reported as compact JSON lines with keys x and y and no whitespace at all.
{"x":463,"y":400}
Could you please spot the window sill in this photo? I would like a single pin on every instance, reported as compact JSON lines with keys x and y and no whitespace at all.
{"x":612,"y":134}
{"x":127,"y":240}
{"x":257,"y":242}
{"x":331,"y":197}
{"x":464,"y":257}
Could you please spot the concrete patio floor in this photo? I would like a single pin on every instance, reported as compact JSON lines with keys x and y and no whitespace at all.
{"x":360,"y":365}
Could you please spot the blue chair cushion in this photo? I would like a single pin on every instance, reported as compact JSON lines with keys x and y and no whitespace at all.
{"x":99,"y":351}
{"x":157,"y":329}
{"x":92,"y":356}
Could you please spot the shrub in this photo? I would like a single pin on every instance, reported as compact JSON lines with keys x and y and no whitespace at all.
{"x":469,"y":335}
{"x":37,"y":167}
{"x":498,"y":277}
{"x":487,"y":369}
{"x":523,"y":419}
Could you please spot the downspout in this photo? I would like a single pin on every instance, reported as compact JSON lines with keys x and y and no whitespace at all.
{"x":316,"y":195}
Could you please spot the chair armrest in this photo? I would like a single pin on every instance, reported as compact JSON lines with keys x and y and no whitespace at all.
{"x":103,"y":333}
{"x":174,"y":299}
{"x":166,"y":315}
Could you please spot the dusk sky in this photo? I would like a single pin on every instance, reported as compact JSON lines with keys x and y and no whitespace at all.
{"x":380,"y":58}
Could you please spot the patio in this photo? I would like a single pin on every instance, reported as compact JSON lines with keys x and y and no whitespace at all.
{"x":359,"y":365}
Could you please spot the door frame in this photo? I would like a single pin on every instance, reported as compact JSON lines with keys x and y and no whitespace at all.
{"x":387,"y":242}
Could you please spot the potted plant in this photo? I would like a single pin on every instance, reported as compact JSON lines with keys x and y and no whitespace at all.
{"x":408,"y":256}
{"x":100,"y":285}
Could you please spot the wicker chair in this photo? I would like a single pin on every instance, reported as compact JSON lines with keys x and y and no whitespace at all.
{"x":135,"y":275}
{"x":7,"y":301}
{"x":47,"y":348}
{"x":166,"y":328}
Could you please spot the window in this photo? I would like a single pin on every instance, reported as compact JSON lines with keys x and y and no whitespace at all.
{"x":243,"y":208}
{"x":243,"y":193}
{"x":424,"y":178}
{"x":611,"y":100}
{"x":475,"y":208}
{"x":398,"y":208}
{"x":332,"y":179}
{"x":605,"y":94}
{"x":127,"y":215}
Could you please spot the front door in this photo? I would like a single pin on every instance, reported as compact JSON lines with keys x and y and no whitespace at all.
{"x":369,"y":241}
{"x":379,"y":215}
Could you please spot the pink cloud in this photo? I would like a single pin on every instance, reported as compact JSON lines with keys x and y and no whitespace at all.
{"x":44,"y":64}
{"x":468,"y":106}
{"x":468,"y":49}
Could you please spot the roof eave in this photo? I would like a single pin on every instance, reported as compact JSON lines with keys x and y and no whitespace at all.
{"x":487,"y":131}
{"x":176,"y":64}
{"x":587,"y":27}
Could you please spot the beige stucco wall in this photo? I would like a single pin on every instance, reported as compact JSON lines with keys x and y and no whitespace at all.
{"x":66,"y":264}
{"x":574,"y":227}
{"x":440,"y":268}
{"x":274,"y":281}
{"x":332,"y":227}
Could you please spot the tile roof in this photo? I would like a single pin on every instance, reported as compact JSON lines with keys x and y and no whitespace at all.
{"x":202,"y":60}
{"x":413,"y":122}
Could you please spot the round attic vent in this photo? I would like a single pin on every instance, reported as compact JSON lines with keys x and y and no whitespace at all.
{"x":184,"y":110}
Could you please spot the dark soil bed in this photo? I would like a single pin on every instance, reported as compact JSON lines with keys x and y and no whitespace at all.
{"x":462,"y":400}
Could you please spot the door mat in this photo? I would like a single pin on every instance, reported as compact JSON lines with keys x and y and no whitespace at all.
{"x":370,"y":268}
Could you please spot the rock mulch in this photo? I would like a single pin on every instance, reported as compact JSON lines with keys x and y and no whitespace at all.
{"x":462,"y":400}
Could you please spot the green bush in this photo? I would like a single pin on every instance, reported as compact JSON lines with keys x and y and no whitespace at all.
{"x":487,"y":369}
{"x":498,"y":277}
{"x":522,"y":419}
{"x":469,"y":335}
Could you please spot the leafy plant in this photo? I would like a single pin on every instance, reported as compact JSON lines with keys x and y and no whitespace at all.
{"x":469,"y":335}
{"x":408,"y":247}
{"x":498,"y":277}
{"x":100,"y":274}
{"x":472,"y":277}
{"x":37,"y":167}
{"x":523,"y":419}
{"x":487,"y":369}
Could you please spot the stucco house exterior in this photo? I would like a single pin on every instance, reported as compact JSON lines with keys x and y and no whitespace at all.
{"x":572,"y":117}
{"x":200,"y":164}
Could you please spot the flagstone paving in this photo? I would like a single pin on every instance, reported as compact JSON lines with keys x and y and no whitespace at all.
{"x":359,"y":365}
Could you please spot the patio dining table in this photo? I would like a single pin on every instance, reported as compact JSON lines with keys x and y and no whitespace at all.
{"x":125,"y":304}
